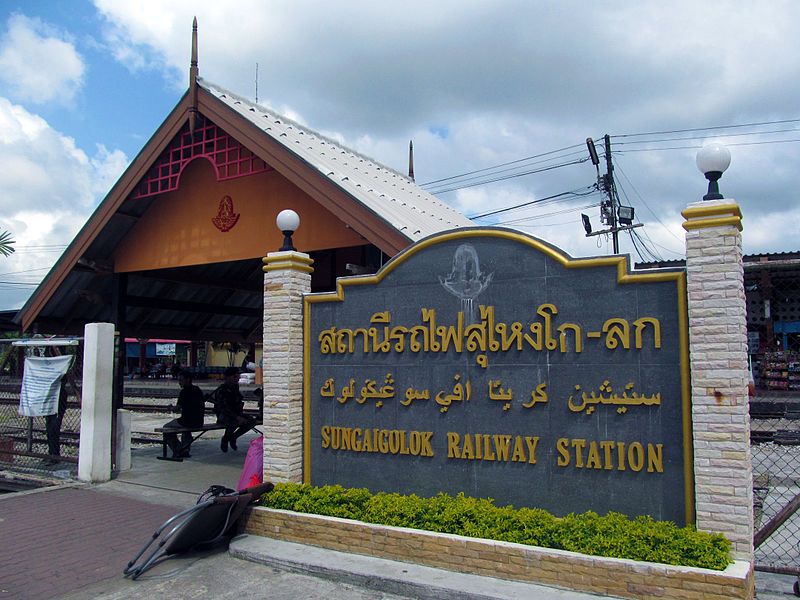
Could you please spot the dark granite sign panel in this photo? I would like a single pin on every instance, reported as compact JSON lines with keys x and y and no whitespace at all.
{"x":487,"y":362}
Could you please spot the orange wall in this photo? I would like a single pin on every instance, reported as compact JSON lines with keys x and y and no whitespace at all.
{"x":177,"y":229}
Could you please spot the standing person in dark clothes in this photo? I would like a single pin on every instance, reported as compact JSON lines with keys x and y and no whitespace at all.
{"x":191,"y":404}
{"x":53,"y":425}
{"x":229,"y":406}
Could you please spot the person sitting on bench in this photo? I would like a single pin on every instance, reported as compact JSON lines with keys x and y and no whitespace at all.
{"x":191,"y":404}
{"x":229,"y":407}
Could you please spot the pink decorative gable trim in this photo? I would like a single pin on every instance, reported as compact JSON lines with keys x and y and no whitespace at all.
{"x":229,"y":157}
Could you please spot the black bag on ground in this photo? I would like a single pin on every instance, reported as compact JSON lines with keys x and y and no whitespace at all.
{"x":213,"y":519}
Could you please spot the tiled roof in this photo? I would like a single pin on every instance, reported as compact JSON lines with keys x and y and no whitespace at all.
{"x":389,"y":194}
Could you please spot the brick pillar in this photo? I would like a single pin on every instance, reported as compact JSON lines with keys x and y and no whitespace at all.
{"x":287,"y":276}
{"x":718,"y":349}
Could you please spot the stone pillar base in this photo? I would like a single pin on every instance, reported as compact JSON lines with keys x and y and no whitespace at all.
{"x":718,"y":354}
{"x":287,"y":277}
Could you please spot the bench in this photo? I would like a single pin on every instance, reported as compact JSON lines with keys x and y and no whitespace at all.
{"x":200,"y":430}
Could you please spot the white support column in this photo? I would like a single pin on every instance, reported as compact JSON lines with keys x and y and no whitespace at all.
{"x":94,"y":453}
{"x":718,"y":348}
{"x":287,"y":276}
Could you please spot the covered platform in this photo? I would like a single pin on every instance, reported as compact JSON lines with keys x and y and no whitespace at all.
{"x":175,"y":250}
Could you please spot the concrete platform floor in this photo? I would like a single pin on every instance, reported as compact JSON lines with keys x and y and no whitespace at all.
{"x":207,"y":466}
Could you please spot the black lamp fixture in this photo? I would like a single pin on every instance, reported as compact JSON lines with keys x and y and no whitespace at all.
{"x":288,"y":221}
{"x":625,"y":214}
{"x":712,"y":160}
{"x":587,"y":224}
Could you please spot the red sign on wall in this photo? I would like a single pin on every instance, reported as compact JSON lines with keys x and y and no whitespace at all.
{"x":226,"y":218}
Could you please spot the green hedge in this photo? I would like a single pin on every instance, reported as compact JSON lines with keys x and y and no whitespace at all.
{"x":613,"y":535}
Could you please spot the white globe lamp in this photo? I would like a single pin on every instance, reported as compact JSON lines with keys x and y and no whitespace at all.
{"x":288,"y":221}
{"x":712,"y":161}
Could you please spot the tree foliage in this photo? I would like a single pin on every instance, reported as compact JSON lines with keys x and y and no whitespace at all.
{"x":6,"y":243}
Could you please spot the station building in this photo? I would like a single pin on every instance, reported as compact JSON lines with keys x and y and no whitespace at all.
{"x":174,"y":251}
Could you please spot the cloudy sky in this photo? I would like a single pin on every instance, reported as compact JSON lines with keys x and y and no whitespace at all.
{"x":485,"y":88}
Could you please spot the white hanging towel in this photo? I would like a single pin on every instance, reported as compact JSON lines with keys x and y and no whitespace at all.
{"x":41,"y":384}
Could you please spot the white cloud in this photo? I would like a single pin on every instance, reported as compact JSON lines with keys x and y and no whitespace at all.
{"x":474,"y":86}
{"x":107,"y":166}
{"x":38,"y":63}
{"x":471,"y":84}
{"x":48,"y":188}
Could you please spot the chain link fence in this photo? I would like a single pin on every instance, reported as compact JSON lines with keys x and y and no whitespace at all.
{"x":773,"y":321}
{"x":41,"y":445}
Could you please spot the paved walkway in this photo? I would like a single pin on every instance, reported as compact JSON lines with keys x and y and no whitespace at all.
{"x":56,"y":540}
{"x":73,"y":542}
{"x":63,"y":539}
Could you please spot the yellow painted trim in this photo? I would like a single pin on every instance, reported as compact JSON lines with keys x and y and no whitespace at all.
{"x":712,"y":210}
{"x":686,"y":399}
{"x":623,"y":276}
{"x":288,"y":257}
{"x":306,"y":392}
{"x":288,"y":261}
{"x":287,"y":266}
{"x":719,"y":222}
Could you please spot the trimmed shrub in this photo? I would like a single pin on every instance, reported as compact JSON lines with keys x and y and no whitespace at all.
{"x":614,"y":534}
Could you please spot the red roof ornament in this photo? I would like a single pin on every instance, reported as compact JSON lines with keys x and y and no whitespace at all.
{"x":226,"y":218}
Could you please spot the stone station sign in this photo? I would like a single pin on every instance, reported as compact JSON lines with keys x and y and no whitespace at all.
{"x":488,"y":362}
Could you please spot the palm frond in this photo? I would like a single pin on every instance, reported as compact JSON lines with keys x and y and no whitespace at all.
{"x":6,"y":243}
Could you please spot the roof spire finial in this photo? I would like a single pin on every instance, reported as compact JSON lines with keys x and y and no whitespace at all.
{"x":193,"y":73}
{"x":411,"y":160}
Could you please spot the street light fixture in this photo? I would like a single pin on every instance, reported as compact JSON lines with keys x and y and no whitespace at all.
{"x":625,"y":214}
{"x":712,"y":160}
{"x":587,"y":224}
{"x":288,"y":221}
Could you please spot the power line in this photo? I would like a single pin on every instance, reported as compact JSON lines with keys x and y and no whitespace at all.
{"x":560,"y":223}
{"x":476,"y":177}
{"x":697,"y":146}
{"x":25,"y":271}
{"x":641,"y":248}
{"x":494,"y":172}
{"x":650,"y":241}
{"x":675,"y":252}
{"x":635,"y":247}
{"x":700,"y":137}
{"x":505,"y":177}
{"x":519,"y":160}
{"x":638,"y":236}
{"x":23,"y":251}
{"x":653,"y":254}
{"x":575,"y":192}
{"x":681,"y":254}
{"x":652,"y":212}
{"x":714,"y":128}
{"x":533,"y":216}
{"x":521,"y":220}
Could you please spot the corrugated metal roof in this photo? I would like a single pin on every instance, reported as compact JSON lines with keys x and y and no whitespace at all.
{"x":765,"y":259}
{"x":389,"y":194}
